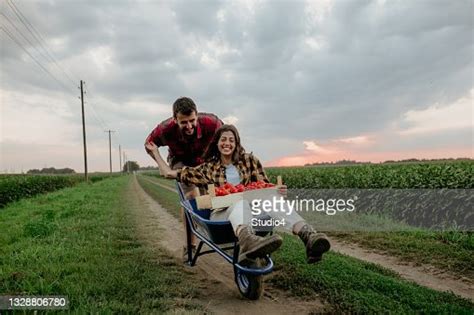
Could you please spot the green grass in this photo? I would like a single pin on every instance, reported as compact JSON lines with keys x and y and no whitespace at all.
{"x":420,"y":247}
{"x":448,"y":250}
{"x":171,"y":183}
{"x":350,"y":285}
{"x":82,"y":242}
{"x":168,"y":200}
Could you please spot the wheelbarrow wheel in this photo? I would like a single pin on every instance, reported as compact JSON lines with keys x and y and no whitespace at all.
{"x":250,"y":286}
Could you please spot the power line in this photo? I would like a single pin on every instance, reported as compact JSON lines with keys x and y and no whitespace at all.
{"x":40,"y":39}
{"x":36,"y":35}
{"x":110,"y":148}
{"x":101,"y":121}
{"x":13,"y":38}
{"x":23,"y":35}
{"x":96,"y":115}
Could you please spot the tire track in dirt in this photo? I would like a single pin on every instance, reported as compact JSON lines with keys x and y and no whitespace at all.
{"x":427,"y":276}
{"x":424,"y":275}
{"x":214,"y":274}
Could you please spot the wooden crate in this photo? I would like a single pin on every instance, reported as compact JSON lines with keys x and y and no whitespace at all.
{"x":211,"y":201}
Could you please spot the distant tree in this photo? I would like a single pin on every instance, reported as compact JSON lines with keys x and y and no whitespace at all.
{"x":66,"y":170}
{"x":131,"y":166}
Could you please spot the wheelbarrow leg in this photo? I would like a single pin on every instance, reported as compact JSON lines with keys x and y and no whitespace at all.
{"x":189,"y":245}
{"x":196,"y":254}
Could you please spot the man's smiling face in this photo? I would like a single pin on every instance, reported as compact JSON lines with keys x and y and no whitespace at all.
{"x":187,"y":123}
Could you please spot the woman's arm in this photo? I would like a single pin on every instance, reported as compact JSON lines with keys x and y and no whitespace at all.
{"x":258,"y":169}
{"x":200,"y":175}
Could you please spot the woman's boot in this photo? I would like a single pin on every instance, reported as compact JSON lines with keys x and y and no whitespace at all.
{"x":253,"y":246}
{"x":316,"y":243}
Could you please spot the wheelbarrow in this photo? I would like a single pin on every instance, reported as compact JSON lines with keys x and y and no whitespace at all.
{"x":220,"y":238}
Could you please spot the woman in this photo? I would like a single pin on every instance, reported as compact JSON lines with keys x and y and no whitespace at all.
{"x":227,"y":162}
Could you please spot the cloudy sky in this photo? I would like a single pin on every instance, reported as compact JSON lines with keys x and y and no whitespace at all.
{"x":304,"y":81}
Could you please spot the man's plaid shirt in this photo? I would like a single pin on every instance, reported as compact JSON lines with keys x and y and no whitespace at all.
{"x":249,"y":167}
{"x":190,"y":153}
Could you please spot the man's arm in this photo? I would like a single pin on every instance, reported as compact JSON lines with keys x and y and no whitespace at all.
{"x":152,"y":142}
{"x":165,"y":170}
{"x":162,"y":165}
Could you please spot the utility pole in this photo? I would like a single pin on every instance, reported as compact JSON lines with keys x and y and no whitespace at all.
{"x":110,"y":149}
{"x":84,"y":132}
{"x":128,"y":164}
{"x":125,"y":162}
{"x":120,"y":158}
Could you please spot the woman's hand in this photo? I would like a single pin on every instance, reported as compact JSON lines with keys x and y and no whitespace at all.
{"x":282,"y":190}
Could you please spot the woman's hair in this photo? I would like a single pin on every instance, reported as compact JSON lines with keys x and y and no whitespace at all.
{"x":212,"y":153}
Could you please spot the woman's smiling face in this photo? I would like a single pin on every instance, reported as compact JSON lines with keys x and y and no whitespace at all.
{"x":226,"y":144}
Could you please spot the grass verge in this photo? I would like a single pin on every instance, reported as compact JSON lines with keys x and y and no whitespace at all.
{"x":447,"y":250}
{"x":419,"y":247}
{"x":80,"y":242}
{"x":166,"y":198}
{"x":354,"y":286}
{"x":160,"y":179}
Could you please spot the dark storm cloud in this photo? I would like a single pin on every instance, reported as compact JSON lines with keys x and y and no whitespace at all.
{"x":372,"y":66}
{"x":199,"y":17}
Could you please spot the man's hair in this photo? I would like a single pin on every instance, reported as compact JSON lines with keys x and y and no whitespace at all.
{"x":184,"y":105}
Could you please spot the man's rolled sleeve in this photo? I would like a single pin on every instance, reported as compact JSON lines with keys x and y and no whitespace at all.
{"x":155,"y":137}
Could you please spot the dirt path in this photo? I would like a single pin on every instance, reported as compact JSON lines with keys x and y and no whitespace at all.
{"x":158,"y":227}
{"x":427,"y":276}
{"x":424,"y":275}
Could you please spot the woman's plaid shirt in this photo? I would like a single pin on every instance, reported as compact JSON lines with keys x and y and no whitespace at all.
{"x":249,"y":167}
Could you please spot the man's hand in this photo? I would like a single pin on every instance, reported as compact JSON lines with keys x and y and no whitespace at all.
{"x":154,"y":150}
{"x":165,"y":170}
{"x":170,"y":173}
{"x":151,"y":146}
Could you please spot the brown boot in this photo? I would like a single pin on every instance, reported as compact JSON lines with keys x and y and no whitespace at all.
{"x":253,"y":246}
{"x":316,"y":243}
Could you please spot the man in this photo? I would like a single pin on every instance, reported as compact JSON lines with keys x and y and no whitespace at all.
{"x":187,"y":135}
